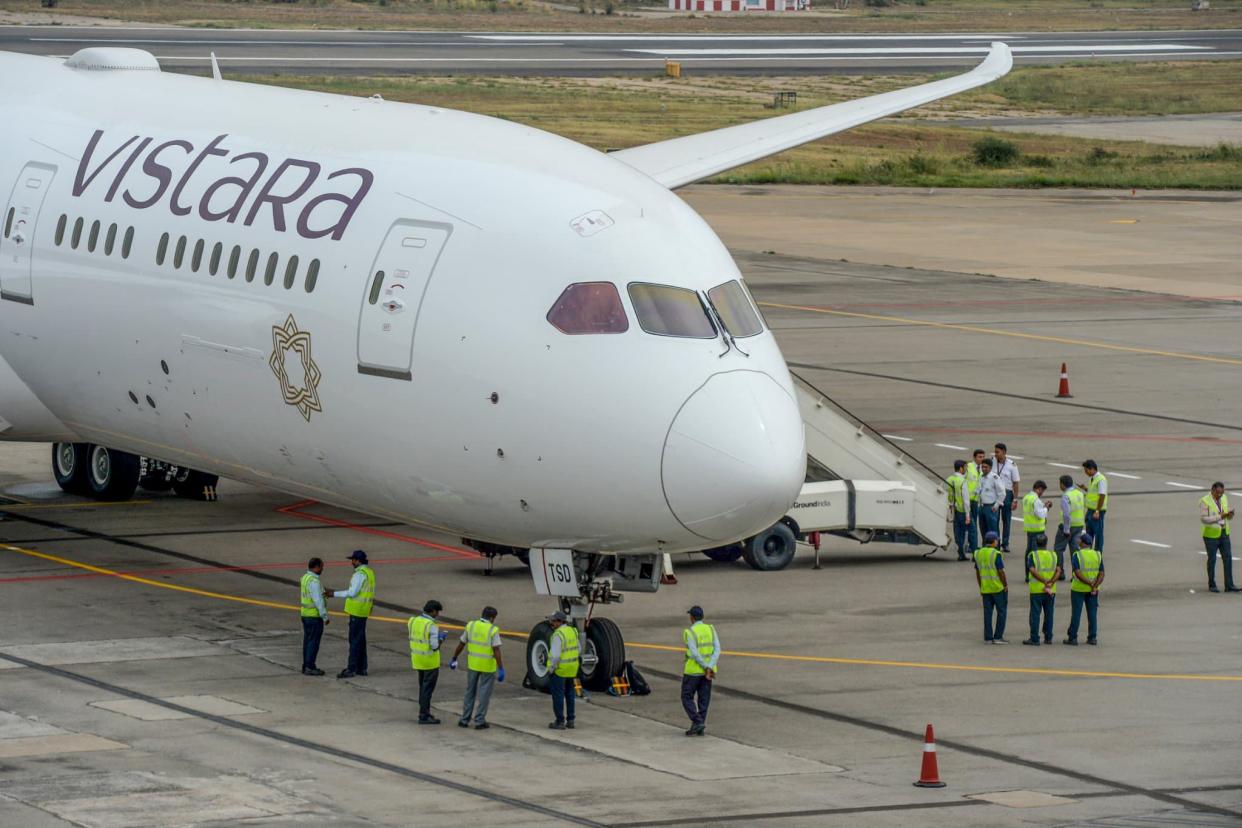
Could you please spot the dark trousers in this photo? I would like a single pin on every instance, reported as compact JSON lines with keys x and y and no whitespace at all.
{"x":1095,"y":528}
{"x":972,"y":531}
{"x":357,"y":644}
{"x":1042,"y":602}
{"x":1063,"y":542}
{"x":1006,"y":517}
{"x":692,"y":686}
{"x":312,"y":634}
{"x":997,"y":602}
{"x":1078,"y":599}
{"x":562,"y":689}
{"x":1225,"y":546}
{"x":959,"y":533}
{"x":426,"y":689}
{"x":989,"y":521}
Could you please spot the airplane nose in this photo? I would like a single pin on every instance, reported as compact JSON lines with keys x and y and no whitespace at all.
{"x":735,"y":457}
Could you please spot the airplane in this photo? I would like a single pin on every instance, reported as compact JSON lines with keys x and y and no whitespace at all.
{"x":443,"y":319}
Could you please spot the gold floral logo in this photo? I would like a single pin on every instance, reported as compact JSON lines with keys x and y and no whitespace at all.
{"x":300,"y":392}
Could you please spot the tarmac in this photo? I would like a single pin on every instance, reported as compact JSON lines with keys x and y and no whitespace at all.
{"x":150,"y":649}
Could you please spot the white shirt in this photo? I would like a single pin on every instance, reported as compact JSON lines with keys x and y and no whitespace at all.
{"x":1066,"y":506}
{"x":1007,"y":472}
{"x":356,"y":584}
{"x":1041,"y":511}
{"x":991,"y":490}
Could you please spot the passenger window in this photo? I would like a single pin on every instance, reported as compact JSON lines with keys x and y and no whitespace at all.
{"x":589,"y":308}
{"x":60,"y":228}
{"x":269,"y":275}
{"x":376,"y":284}
{"x":197,"y":259}
{"x":8,"y":221}
{"x":161,"y":250}
{"x":234,"y":258}
{"x":127,"y":243}
{"x":179,"y":253}
{"x":664,"y":310}
{"x":252,"y":265}
{"x":735,"y":310}
{"x":76,"y":238}
{"x":216,"y":252}
{"x":110,"y":240}
{"x":291,"y":272}
{"x":93,"y":239}
{"x":312,"y":276}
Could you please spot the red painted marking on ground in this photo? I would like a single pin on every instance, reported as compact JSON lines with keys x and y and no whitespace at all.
{"x":193,"y":570}
{"x":295,"y":509}
{"x":1069,"y":435}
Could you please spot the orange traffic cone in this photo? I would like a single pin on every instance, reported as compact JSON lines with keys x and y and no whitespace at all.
{"x":930,"y":777}
{"x":1063,"y":390}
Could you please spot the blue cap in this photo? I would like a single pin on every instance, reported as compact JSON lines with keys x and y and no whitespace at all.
{"x":991,"y":536}
{"x":696,"y":611}
{"x":1085,"y":540}
{"x":357,"y":555}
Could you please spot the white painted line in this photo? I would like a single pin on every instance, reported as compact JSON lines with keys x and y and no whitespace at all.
{"x":1181,"y":485}
{"x":955,"y":448}
{"x":1152,"y":543}
{"x":1126,"y":476}
{"x":1015,"y":456}
{"x":895,"y":437}
{"x":1063,"y":465}
{"x":930,"y":50}
{"x":1204,"y":554}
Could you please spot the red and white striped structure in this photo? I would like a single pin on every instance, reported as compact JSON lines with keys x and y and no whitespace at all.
{"x":738,"y":5}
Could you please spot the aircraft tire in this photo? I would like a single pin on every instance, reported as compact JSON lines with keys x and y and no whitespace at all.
{"x":70,"y":462}
{"x":111,"y":474}
{"x":538,"y":644}
{"x":605,"y":637}
{"x":724,"y":554}
{"x":772,"y":549}
{"x":195,"y":485}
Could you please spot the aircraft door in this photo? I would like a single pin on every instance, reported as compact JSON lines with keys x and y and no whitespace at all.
{"x":393,"y":297}
{"x":21,"y":216}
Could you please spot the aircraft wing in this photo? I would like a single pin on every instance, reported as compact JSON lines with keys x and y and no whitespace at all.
{"x":680,"y":161}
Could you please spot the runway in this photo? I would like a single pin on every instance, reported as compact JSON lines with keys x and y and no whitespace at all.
{"x":269,"y":51}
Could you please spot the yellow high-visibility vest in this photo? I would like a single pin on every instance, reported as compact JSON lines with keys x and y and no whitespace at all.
{"x":1078,"y":507}
{"x":957,"y":494}
{"x":989,"y":574}
{"x":1032,"y":522}
{"x":567,"y":667}
{"x":422,"y":655}
{"x":1089,"y":563}
{"x":360,"y":607}
{"x":479,"y":646}
{"x":309,"y":610}
{"x":1046,"y":567}
{"x":704,"y":636}
{"x":973,"y":474}
{"x":1093,"y":491}
{"x":1215,"y":530}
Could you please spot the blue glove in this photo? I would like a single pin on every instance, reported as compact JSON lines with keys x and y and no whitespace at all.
{"x":443,"y":635}
{"x":453,"y":664}
{"x":500,"y":674}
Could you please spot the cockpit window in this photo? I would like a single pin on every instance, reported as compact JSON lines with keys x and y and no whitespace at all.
{"x":589,"y":308}
{"x":733,"y":306}
{"x":670,"y":311}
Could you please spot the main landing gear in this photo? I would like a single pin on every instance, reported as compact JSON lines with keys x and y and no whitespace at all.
{"x":108,"y":474}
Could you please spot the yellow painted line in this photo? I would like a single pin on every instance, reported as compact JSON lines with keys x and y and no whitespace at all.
{"x":925,"y":665}
{"x":23,"y":507}
{"x":1086,"y":343}
{"x":1124,"y":221}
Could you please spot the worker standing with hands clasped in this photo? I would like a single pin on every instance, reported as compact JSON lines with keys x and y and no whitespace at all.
{"x":993,"y":587}
{"x":1215,"y":515}
{"x":702,"y":653}
{"x":425,"y":640}
{"x":481,"y":640}
{"x":1042,"y":571}
{"x":358,"y":601}
{"x":1088,"y":566}
{"x":563,"y":666}
{"x":314,"y":616}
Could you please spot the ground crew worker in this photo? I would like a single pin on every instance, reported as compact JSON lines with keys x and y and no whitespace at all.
{"x":1073,"y":520}
{"x":481,"y":640}
{"x":1042,"y":572}
{"x":425,"y":640}
{"x":1215,"y":515}
{"x":563,"y":668}
{"x":1007,"y":471}
{"x":358,"y":601}
{"x":993,"y":587}
{"x":314,"y":616}
{"x":702,"y":653}
{"x":959,"y":500}
{"x":974,"y":477}
{"x":991,"y":499}
{"x":1035,"y":514}
{"x":1088,"y":566}
{"x":1097,"y":501}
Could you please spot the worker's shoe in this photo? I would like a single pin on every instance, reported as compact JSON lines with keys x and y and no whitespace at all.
{"x":463,"y":723}
{"x":1213,"y":589}
{"x":346,"y":674}
{"x":312,"y":671}
{"x":1073,"y":642}
{"x":362,"y":672}
{"x":699,"y":730}
{"x":1034,"y":642}
{"x":1092,"y":642}
{"x":1047,"y":640}
{"x":430,"y":720}
{"x":999,"y":641}
{"x":482,"y":726}
{"x":569,"y":724}
{"x":690,"y":732}
{"x":556,"y":726}
{"x":1232,"y":589}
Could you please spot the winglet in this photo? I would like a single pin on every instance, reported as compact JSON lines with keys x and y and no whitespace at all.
{"x":215,"y":68}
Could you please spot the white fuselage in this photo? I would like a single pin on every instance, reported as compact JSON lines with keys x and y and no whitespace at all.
{"x":450,"y":401}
